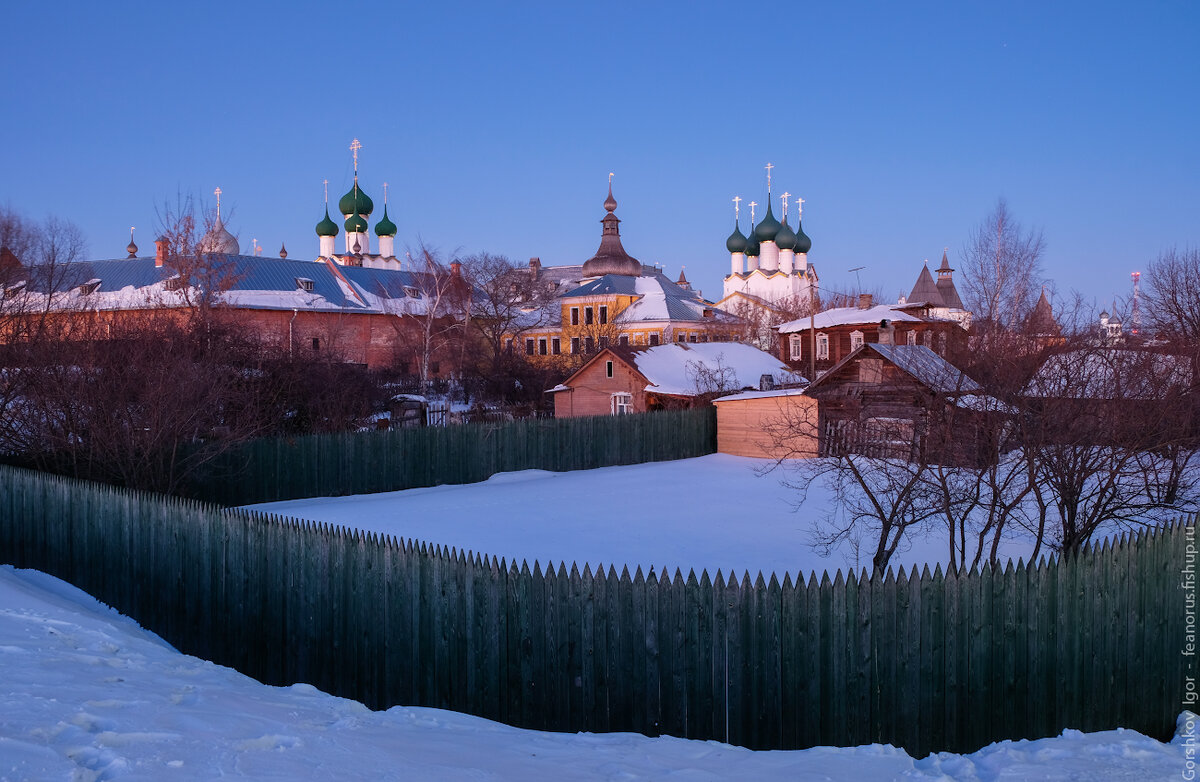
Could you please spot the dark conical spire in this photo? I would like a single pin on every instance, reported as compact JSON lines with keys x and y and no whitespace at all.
{"x":925,"y":290}
{"x":611,"y":257}
{"x":945,"y":284}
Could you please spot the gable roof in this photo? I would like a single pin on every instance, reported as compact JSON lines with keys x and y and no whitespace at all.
{"x":919,"y":362}
{"x":675,"y":369}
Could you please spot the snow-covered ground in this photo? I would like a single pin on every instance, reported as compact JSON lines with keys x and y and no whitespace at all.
{"x":87,"y":695}
{"x":713,"y":512}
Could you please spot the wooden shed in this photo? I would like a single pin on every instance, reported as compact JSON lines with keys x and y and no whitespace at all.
{"x":768,"y":424}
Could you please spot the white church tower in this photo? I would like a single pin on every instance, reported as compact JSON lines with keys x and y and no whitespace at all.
{"x":770,"y":265}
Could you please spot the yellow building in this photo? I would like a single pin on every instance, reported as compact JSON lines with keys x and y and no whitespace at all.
{"x":620,"y":301}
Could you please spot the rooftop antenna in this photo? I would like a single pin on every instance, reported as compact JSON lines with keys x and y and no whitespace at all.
{"x":1137,"y":313}
{"x":856,"y":270}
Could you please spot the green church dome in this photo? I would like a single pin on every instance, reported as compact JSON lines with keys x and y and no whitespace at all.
{"x":385,"y":227}
{"x":803,"y":243}
{"x":752,"y":245}
{"x":356,"y":202}
{"x":736,"y":243}
{"x":786,"y":237}
{"x":766,"y":230}
{"x":356,"y":224}
{"x":327,"y":227}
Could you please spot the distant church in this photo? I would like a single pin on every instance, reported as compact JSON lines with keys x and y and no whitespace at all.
{"x":769,"y":266}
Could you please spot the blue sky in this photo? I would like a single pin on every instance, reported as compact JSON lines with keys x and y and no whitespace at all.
{"x":496,"y":125}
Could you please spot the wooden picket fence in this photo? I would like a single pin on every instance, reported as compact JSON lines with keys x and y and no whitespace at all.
{"x":925,"y":661}
{"x":325,"y":465}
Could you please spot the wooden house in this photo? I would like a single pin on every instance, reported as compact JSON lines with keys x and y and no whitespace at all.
{"x":641,"y":378}
{"x":836,"y":333}
{"x":903,"y":402}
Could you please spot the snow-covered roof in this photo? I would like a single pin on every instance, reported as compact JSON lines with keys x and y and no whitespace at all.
{"x":681,"y":369}
{"x":925,"y":366}
{"x":254,"y":282}
{"x":760,"y":395}
{"x":845,"y":316}
{"x":659,"y":298}
{"x":1110,"y":373}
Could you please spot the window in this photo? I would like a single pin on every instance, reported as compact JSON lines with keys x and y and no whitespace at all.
{"x":608,"y":369}
{"x":542,"y":346}
{"x":316,"y":343}
{"x":691,"y":337}
{"x":623,"y":339}
{"x":556,"y":346}
{"x":589,"y":317}
{"x":603,"y":342}
{"x":574,"y":345}
{"x":14,"y":289}
{"x":654,"y":339}
{"x":823,"y":347}
{"x":622,"y":404}
{"x":604,"y":313}
{"x":681,"y":337}
{"x":89,"y":287}
{"x":304,"y":284}
{"x":911,"y":338}
{"x":856,"y":340}
{"x":589,"y":345}
{"x":508,"y":345}
{"x":411,"y":292}
{"x":574,"y":316}
{"x":795,"y":341}
{"x":529,"y":346}
{"x":174,"y":284}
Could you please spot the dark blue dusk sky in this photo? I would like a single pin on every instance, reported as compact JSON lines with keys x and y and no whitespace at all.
{"x":497,"y":124}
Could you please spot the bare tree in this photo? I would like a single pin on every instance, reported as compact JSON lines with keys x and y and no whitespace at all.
{"x":1173,"y":295}
{"x":1001,"y":270}
{"x":203,"y":275}
{"x":1110,"y":440}
{"x":430,"y":325}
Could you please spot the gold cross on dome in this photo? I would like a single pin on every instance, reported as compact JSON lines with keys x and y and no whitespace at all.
{"x":385,"y":192}
{"x":610,"y":176}
{"x":737,"y":202}
{"x":325,"y":182}
{"x":769,"y":167}
{"x":752,"y":205}
{"x":217,"y":193}
{"x":799,"y":207}
{"x":354,"y":147}
{"x":784,"y":199}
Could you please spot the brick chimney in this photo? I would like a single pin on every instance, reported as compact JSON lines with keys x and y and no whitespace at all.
{"x":887,"y":332}
{"x":865,"y":301}
{"x":535,"y":267}
{"x":455,"y":269}
{"x":160,"y":250}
